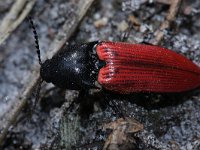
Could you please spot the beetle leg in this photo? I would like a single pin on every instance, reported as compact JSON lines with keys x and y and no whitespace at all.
{"x":143,"y":42}
{"x":86,"y":103}
{"x":127,"y":33}
{"x":116,"y":108}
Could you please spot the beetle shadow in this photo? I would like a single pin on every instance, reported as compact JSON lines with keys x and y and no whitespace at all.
{"x":147,"y":100}
{"x":155,"y":100}
{"x":52,"y":98}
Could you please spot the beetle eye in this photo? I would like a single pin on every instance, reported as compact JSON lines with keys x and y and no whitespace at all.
{"x":45,"y":71}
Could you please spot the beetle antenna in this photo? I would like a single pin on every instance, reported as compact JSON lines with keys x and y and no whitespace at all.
{"x":32,"y":26}
{"x":37,"y":95}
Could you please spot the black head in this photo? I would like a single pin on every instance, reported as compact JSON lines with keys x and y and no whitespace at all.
{"x":72,"y":68}
{"x":60,"y":73}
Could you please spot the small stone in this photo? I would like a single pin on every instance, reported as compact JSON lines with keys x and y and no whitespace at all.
{"x":122,"y":26}
{"x":101,"y":22}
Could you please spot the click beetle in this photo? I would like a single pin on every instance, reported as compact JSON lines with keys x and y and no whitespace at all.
{"x":119,"y":67}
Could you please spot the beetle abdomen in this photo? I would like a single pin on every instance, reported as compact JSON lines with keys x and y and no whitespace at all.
{"x":145,"y":68}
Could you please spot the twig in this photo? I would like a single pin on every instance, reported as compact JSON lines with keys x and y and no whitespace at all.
{"x":16,"y":15}
{"x":173,"y":10}
{"x":168,"y":2}
{"x":20,"y":102}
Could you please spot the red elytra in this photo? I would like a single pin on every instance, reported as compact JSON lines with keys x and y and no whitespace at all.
{"x":145,"y":68}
